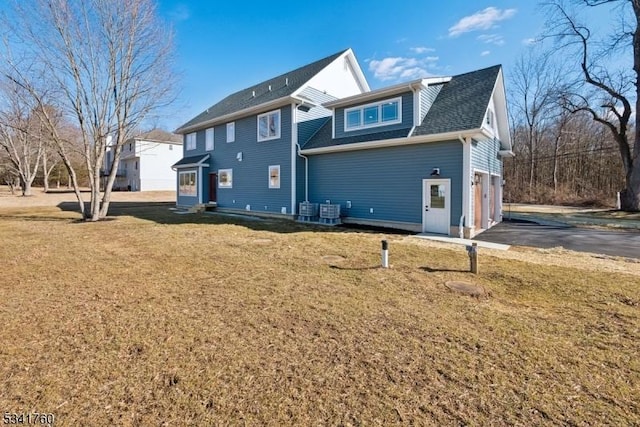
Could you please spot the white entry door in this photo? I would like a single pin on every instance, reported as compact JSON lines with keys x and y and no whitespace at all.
{"x":436,"y":205}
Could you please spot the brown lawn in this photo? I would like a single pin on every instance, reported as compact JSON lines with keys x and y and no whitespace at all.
{"x":154,"y":318}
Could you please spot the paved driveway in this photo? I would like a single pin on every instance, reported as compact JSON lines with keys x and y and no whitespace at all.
{"x":624,"y":243}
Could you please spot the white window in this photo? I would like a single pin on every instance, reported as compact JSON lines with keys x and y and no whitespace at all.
{"x":274,"y":176}
{"x":187,"y":185}
{"x":191,"y":141}
{"x":209,"y":139}
{"x":382,"y":113}
{"x":269,"y":126}
{"x":231,"y":132}
{"x":225,"y":178}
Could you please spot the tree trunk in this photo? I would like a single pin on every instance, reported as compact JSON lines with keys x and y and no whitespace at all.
{"x":45,"y":172}
{"x":630,"y":195}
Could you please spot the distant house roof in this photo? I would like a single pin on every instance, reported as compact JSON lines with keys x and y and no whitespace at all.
{"x":270,"y":90}
{"x":159,"y":135}
{"x":193,"y":161}
{"x":461,"y":104}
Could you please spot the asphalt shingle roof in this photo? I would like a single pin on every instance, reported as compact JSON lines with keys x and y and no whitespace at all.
{"x":191,"y":160}
{"x":322,"y":138}
{"x":461,"y":104}
{"x":279,"y":88}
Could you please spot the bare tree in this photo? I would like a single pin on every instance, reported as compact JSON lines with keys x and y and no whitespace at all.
{"x":610,"y":91}
{"x":108,"y":68}
{"x":20,"y":136}
{"x":534,"y":86}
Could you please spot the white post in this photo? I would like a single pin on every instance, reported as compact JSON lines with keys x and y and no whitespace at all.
{"x":385,"y":254}
{"x":618,"y":203}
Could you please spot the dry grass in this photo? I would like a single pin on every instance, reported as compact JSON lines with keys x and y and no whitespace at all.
{"x":155,"y":318}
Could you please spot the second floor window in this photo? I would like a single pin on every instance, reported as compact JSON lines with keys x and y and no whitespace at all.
{"x":231,"y":132}
{"x":372,"y":115}
{"x":209,"y":139}
{"x":269,"y":125}
{"x":191,"y":141}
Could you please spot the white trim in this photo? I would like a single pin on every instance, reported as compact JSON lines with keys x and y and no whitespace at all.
{"x":192,"y":141}
{"x":372,"y":95}
{"x":229,"y":172}
{"x":180,"y":174}
{"x":420,"y":139}
{"x":278,"y":130}
{"x":232,"y":126}
{"x":294,"y":156}
{"x":447,"y":203}
{"x":236,"y":114}
{"x":199,"y":179}
{"x":467,"y":179}
{"x":269,"y":185}
{"x":379,"y":122}
{"x":209,"y":139}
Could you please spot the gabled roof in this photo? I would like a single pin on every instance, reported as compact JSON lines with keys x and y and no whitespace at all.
{"x":461,"y":104}
{"x":270,"y":90}
{"x":190,"y":162}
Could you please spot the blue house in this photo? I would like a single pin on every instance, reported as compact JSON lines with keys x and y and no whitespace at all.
{"x":425,"y":155}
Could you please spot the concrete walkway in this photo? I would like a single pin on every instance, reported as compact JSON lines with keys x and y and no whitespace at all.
{"x":466,"y":242}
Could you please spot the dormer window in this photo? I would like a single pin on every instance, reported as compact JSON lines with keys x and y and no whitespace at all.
{"x":381,"y":113}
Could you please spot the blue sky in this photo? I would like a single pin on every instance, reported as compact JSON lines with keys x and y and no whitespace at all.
{"x":224,"y":46}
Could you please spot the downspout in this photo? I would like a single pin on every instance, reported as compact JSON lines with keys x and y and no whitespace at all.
{"x":306,"y":172}
{"x":416,"y":106}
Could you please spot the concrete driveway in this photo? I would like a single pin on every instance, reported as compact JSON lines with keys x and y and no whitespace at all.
{"x":625,"y":243}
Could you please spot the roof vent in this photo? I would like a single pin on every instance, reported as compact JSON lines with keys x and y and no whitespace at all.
{"x":286,"y":81}
{"x":253,"y":94}
{"x":269,"y":88}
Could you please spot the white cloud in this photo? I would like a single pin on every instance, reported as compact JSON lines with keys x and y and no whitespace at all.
{"x":482,"y":20}
{"x":180,"y":13}
{"x":485,"y":53}
{"x":529,"y":41}
{"x":398,"y":67}
{"x":421,"y":49}
{"x":496,"y":39}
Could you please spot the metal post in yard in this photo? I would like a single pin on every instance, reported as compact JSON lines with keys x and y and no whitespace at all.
{"x":385,"y":254}
{"x":473,"y":257}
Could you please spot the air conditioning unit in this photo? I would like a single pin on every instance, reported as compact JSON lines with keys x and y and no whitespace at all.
{"x":330,"y":213}
{"x":307,"y":211}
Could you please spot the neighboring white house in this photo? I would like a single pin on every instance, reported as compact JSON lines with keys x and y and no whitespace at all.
{"x":145,"y":162}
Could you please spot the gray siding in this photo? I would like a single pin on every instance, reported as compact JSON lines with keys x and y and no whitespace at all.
{"x":407,"y":117}
{"x":427,"y":96}
{"x":389,"y":180}
{"x":251,"y":175}
{"x":484,"y":156}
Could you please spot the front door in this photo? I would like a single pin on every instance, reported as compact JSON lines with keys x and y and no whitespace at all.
{"x":213,"y":186}
{"x":436,"y":198}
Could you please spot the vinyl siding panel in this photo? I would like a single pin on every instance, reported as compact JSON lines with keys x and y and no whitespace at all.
{"x":407,"y":117}
{"x":251,"y":175}
{"x":484,"y":156}
{"x":427,"y":96}
{"x":389,"y":180}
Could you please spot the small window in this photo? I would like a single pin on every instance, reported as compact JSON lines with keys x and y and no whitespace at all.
{"x":225,"y":178}
{"x":191,"y":141}
{"x":269,"y":126}
{"x":187,"y":185}
{"x":129,"y":146}
{"x":274,"y":176}
{"x":231,"y":132}
{"x":209,"y":139}
{"x":136,"y":165}
{"x":353,"y":119}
